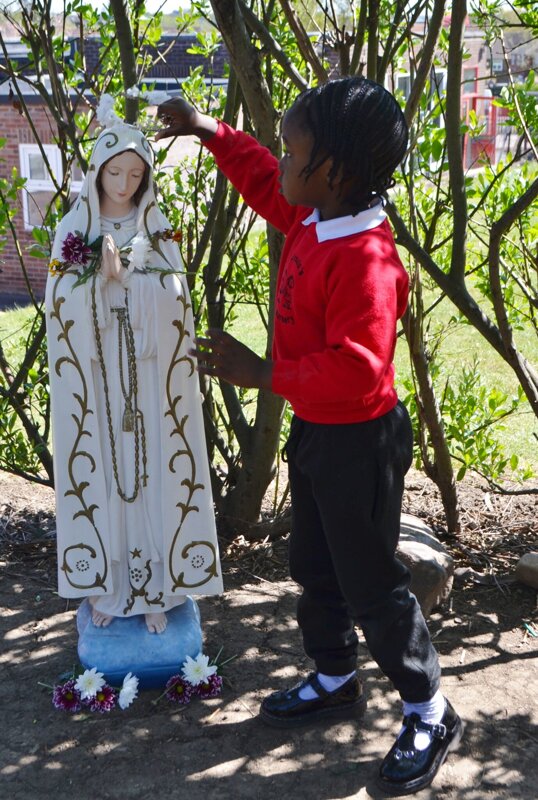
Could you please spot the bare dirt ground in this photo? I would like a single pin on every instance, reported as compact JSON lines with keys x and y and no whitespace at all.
{"x":218,"y":748}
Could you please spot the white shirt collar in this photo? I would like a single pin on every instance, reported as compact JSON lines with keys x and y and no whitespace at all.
{"x":346,"y":226}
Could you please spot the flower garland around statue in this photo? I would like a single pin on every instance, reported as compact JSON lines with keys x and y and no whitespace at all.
{"x":85,"y":257}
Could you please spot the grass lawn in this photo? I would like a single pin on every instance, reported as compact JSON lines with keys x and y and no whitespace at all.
{"x":15,"y":325}
{"x":519,"y":432}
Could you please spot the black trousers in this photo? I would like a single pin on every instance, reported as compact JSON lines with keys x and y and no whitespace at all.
{"x":346,"y":485}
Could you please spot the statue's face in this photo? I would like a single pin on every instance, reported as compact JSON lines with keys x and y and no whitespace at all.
{"x":121,"y":177}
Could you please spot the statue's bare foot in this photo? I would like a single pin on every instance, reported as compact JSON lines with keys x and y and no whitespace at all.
{"x":156,"y":623}
{"x":99,"y":619}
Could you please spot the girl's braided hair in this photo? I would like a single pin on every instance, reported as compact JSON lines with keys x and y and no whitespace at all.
{"x":358,"y":124}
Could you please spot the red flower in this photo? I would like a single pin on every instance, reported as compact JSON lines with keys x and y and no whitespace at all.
{"x":211,"y":687}
{"x":104,"y":699}
{"x":66,"y":697}
{"x":75,"y":250}
{"x":168,"y":234}
{"x":178,"y":690}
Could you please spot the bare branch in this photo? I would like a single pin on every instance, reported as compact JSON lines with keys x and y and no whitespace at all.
{"x":303,"y":42}
{"x":454,"y":140}
{"x":256,"y":26}
{"x":426,"y":60}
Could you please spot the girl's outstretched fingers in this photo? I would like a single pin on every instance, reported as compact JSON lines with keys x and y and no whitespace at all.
{"x":220,"y":355}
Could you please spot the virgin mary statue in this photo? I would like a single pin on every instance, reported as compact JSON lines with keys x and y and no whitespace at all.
{"x":135,"y":522}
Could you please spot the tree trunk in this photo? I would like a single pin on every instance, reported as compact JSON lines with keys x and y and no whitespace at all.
{"x":259,"y":442}
{"x":244,"y":500}
{"x":429,"y":416}
{"x":127,"y":56}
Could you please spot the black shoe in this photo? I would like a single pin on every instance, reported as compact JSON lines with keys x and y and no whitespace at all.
{"x":405,"y":769}
{"x":287,"y":710}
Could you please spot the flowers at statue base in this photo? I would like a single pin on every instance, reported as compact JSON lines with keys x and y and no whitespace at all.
{"x":66,"y":697}
{"x":210,"y":687}
{"x":128,"y":691}
{"x":89,"y":683}
{"x":197,"y":670}
{"x":103,"y":700}
{"x":90,"y":691}
{"x":178,"y":690}
{"x":84,"y":258}
{"x":199,"y":677}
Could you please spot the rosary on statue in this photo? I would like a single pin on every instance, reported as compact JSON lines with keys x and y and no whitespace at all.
{"x":133,"y":419}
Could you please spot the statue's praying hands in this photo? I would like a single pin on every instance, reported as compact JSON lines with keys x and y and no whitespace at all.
{"x":111,"y":266}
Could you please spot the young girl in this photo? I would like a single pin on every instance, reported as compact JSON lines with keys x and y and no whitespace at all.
{"x":134,"y":512}
{"x":341,"y":289}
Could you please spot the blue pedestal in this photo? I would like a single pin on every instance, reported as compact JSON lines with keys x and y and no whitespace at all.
{"x":126,"y":645}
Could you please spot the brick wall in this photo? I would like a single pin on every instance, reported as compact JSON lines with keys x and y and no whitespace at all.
{"x":15,"y":130}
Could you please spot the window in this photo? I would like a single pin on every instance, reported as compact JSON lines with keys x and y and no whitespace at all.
{"x":470,"y":75}
{"x":403,"y":84}
{"x":437,"y":81}
{"x":437,"y":91}
{"x":39,"y":189}
{"x":437,"y":87}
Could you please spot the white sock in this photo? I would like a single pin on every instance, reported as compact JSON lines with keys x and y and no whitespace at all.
{"x":430,"y":712}
{"x":329,"y":682}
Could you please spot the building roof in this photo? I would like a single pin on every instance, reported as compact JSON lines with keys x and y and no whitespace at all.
{"x":163,"y":73}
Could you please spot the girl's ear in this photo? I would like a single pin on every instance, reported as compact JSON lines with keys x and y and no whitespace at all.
{"x":327,"y":167}
{"x":339,"y":182}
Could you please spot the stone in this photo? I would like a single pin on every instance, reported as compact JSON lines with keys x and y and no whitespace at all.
{"x":430,"y":565}
{"x":126,"y":645}
{"x":527,"y":570}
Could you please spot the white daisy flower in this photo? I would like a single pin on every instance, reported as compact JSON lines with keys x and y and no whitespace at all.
{"x":140,"y":247}
{"x":197,"y":670}
{"x":89,"y":683}
{"x":128,"y":691}
{"x":156,"y":97}
{"x":106,"y":116}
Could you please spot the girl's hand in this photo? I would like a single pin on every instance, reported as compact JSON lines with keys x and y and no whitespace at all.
{"x":182,"y":119}
{"x":110,"y":264}
{"x":222,"y":356}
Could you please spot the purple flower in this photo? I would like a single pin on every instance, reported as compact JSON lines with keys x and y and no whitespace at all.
{"x":66,"y":697}
{"x":75,"y":250}
{"x":211,"y":687}
{"x":104,"y":700}
{"x":178,"y":690}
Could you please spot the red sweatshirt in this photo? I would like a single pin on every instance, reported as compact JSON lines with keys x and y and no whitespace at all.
{"x":341,"y":289}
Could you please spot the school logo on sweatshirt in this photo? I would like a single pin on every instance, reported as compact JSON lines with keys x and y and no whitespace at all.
{"x":284,"y":299}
